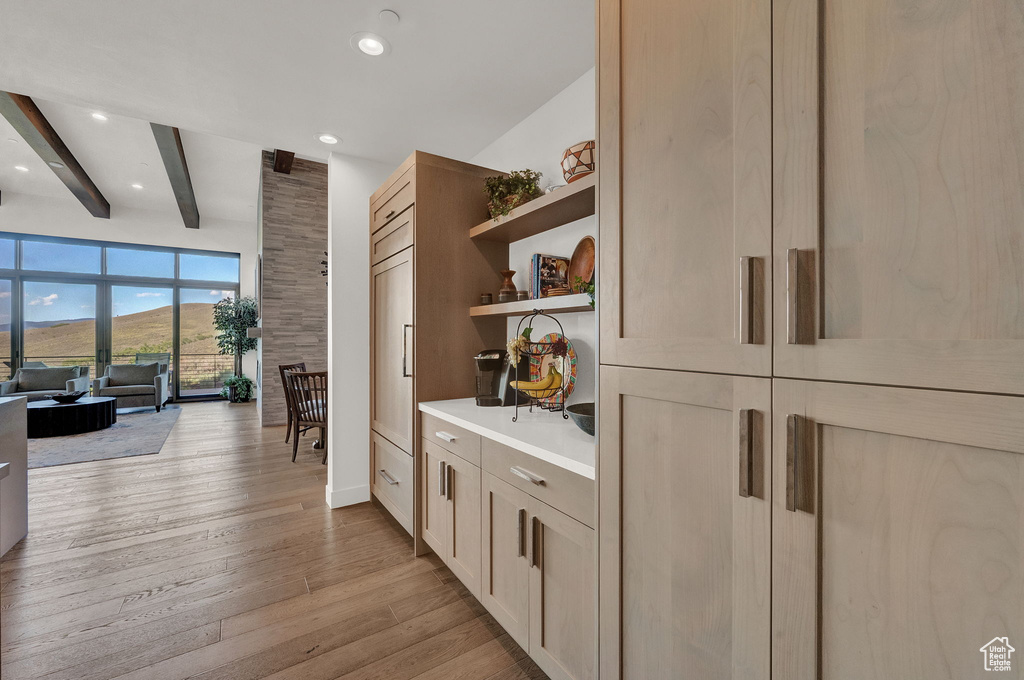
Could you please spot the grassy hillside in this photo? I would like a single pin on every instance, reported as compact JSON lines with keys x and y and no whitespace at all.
{"x":142,"y":332}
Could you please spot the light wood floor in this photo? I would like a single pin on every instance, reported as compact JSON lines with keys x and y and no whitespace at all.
{"x":218,"y":558}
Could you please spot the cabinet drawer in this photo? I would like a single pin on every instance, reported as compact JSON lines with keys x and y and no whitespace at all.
{"x":393,"y":238}
{"x":396,"y":199}
{"x":559,"y":488}
{"x":457,"y":440}
{"x":392,"y":482}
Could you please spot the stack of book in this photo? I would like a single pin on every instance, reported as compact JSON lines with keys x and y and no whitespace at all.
{"x":549,"y":276}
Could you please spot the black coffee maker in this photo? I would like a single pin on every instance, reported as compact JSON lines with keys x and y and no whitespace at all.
{"x":489,"y":368}
{"x":493,"y":375}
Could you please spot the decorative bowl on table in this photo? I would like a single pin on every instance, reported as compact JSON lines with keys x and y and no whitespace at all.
{"x":68,"y":397}
{"x":583,"y":416}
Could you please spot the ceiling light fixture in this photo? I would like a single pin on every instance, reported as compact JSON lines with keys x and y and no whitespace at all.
{"x":55,"y":164}
{"x":22,"y":168}
{"x":137,"y":186}
{"x":370,"y":44}
{"x":98,"y":116}
{"x":328,"y":139}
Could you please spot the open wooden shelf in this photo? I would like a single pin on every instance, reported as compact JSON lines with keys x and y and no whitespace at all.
{"x":555,"y":305}
{"x":568,"y":204}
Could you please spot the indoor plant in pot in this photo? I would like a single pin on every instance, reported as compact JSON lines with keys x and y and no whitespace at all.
{"x":507,"y":192}
{"x":233,"y":318}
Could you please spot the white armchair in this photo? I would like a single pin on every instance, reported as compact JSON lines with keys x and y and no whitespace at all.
{"x":134,"y":385}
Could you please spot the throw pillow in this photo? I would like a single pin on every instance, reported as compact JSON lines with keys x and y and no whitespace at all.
{"x":132,"y":374}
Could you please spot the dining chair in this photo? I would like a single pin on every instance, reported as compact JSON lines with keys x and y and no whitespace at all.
{"x":309,"y":399}
{"x":298,"y":366}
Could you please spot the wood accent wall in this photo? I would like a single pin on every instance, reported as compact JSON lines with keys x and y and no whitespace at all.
{"x":293,"y":238}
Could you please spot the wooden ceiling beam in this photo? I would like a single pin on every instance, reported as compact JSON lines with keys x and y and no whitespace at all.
{"x":283,"y":161}
{"x":25,"y":117}
{"x":168,"y":140}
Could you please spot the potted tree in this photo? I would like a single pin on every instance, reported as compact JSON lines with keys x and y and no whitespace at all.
{"x":233,"y":318}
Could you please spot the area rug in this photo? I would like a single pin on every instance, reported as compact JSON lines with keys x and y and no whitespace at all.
{"x":137,"y":432}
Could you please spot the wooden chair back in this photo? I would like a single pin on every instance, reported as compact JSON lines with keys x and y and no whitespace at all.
{"x":308,"y":394}
{"x":299,"y":366}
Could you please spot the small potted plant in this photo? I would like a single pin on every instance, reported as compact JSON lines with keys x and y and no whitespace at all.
{"x":506,"y":193}
{"x":238,"y":389}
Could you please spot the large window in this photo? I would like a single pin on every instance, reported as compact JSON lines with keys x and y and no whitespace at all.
{"x":72,"y":302}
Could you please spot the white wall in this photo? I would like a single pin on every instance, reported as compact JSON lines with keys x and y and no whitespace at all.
{"x":537,"y":143}
{"x":47,"y":216}
{"x":350,"y":183}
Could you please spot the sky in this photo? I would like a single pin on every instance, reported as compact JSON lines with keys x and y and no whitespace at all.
{"x":45,"y":301}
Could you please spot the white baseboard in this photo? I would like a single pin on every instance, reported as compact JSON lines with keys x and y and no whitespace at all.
{"x":339,"y":498}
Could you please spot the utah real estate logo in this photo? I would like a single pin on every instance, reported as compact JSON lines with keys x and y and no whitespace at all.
{"x":997,"y":654}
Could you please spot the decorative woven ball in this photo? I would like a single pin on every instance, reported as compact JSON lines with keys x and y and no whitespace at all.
{"x":578,"y":161}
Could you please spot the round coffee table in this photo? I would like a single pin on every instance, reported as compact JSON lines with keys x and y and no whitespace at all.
{"x":50,"y":419}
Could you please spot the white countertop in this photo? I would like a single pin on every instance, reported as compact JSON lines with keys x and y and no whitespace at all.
{"x":542,"y":434}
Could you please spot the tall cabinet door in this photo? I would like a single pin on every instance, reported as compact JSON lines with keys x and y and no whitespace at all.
{"x":391,"y":354}
{"x":505,"y":586}
{"x":685,"y":184}
{"x":898,"y":521}
{"x":562,"y":595}
{"x":463,"y":492}
{"x":685,"y":520}
{"x":899,"y":215}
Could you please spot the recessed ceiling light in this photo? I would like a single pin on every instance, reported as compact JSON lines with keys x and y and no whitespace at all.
{"x":137,"y":186}
{"x":12,"y":140}
{"x":98,"y":116}
{"x":22,"y":168}
{"x":55,"y":164}
{"x":328,"y":139}
{"x":370,"y":44}
{"x":389,"y":17}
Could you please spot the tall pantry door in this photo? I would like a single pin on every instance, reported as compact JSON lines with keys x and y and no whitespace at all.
{"x":391,"y":407}
{"x":899,"y":214}
{"x":685,"y":184}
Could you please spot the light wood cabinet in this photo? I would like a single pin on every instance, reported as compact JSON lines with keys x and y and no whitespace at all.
{"x":538,"y":579}
{"x":685,"y":184}
{"x":450,"y":500}
{"x":685,"y":519}
{"x":505,"y":587}
{"x":391,"y":409}
{"x":899,"y":219}
{"x":425,"y":274}
{"x":432,"y":498}
{"x":562,"y":595}
{"x":898,"y":521}
{"x":463,"y":517}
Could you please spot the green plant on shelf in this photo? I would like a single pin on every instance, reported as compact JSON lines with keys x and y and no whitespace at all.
{"x":581,"y":286}
{"x":507,"y":193}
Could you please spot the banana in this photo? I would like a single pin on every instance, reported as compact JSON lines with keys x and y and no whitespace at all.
{"x":543,"y":388}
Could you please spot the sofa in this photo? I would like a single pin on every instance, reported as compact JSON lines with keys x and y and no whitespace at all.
{"x":42,"y":383}
{"x":134,"y":385}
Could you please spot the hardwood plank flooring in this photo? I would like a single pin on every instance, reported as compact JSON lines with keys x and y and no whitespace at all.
{"x":218,"y":559}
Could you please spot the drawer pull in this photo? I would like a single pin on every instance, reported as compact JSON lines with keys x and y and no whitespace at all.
{"x":389,"y":215}
{"x":387,"y":478}
{"x":445,"y":436}
{"x":440,"y":478}
{"x":527,"y":475}
{"x":520,"y":537}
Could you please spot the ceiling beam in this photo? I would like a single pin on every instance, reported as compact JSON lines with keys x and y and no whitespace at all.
{"x":283,"y":161}
{"x":25,"y":117}
{"x":168,"y":140}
